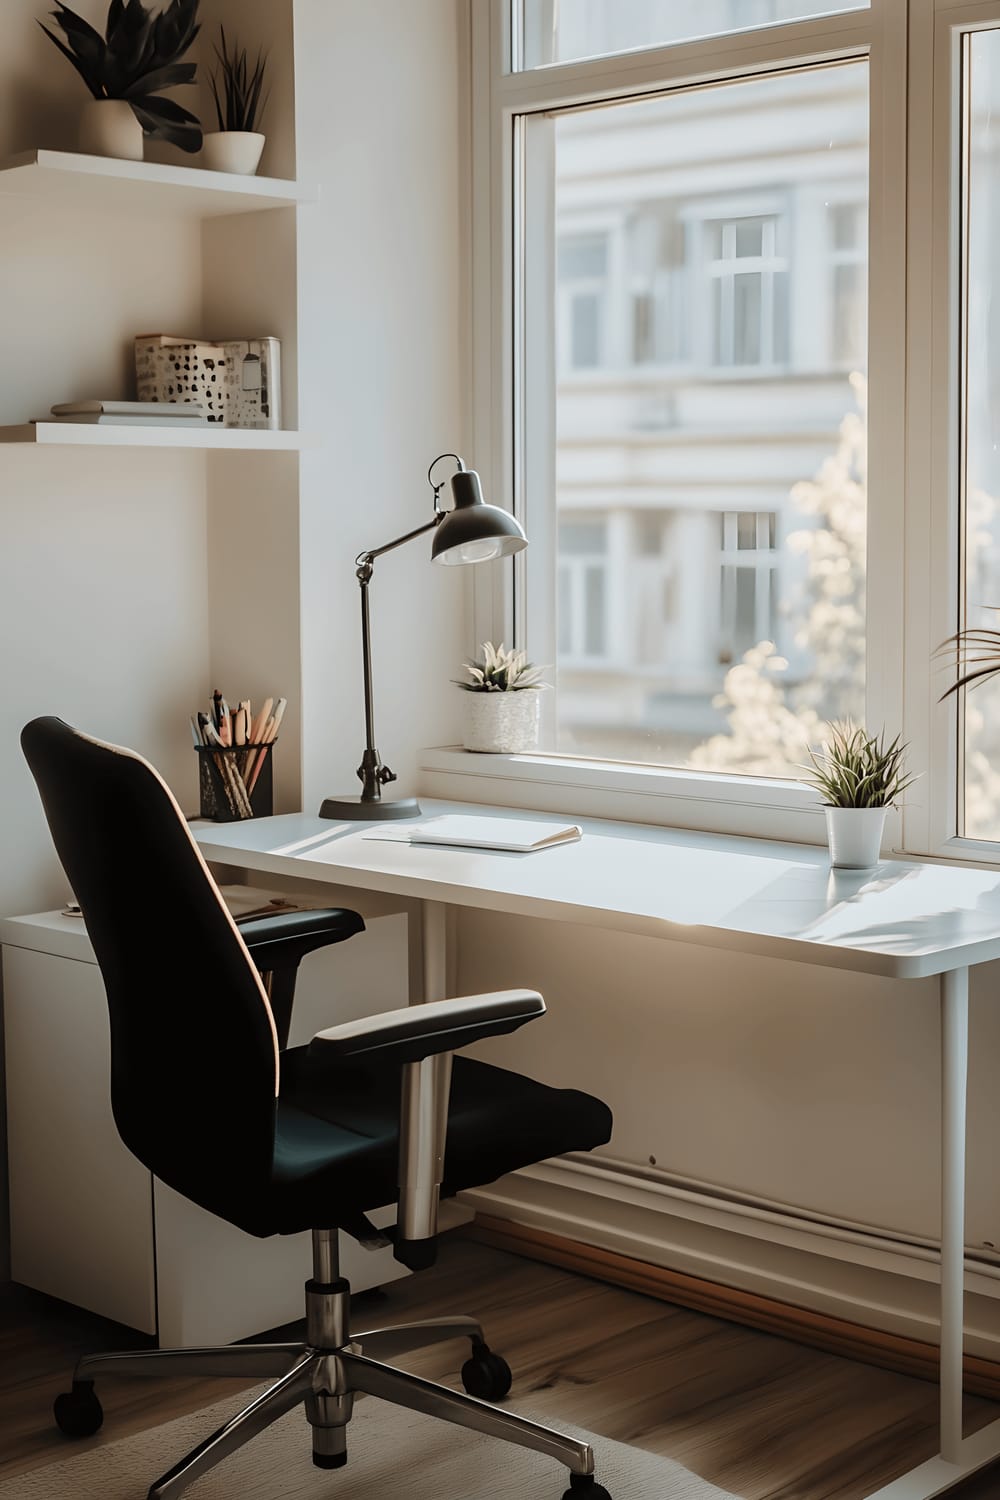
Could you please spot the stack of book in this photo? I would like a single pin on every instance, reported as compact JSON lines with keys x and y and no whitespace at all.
{"x":174,"y":415}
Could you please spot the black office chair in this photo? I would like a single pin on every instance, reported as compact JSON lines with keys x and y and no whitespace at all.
{"x":278,"y":1140}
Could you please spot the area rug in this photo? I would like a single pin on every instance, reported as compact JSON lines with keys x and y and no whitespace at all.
{"x":394,"y":1455}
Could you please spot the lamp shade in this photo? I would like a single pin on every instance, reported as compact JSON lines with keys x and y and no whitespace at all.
{"x":474,"y":531}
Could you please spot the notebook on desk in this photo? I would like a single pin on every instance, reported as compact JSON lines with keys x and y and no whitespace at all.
{"x":456,"y":830}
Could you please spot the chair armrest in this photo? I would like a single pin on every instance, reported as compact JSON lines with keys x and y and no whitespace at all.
{"x":279,"y":943}
{"x":422,"y":1039}
{"x":288,"y":936}
{"x":419,"y":1031}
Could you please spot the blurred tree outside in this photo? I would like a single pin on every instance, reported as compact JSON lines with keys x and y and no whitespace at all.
{"x":771,"y":722}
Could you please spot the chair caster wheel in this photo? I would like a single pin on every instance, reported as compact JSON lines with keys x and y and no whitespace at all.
{"x":585,"y":1484}
{"x":78,"y":1412}
{"x":486,"y":1375}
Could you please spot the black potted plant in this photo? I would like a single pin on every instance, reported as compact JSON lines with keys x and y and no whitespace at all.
{"x":240,"y":101}
{"x":126,"y":70}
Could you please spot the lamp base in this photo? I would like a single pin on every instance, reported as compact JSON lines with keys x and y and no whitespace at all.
{"x":353,"y":810}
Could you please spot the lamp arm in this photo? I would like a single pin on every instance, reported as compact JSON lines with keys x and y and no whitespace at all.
{"x":364,"y":560}
{"x":372,"y":774}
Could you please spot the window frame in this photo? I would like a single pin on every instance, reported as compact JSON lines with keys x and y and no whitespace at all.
{"x":912,"y":571}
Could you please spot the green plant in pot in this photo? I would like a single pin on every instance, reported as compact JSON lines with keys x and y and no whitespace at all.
{"x":126,"y":70}
{"x":502,"y":710}
{"x":859,"y":776}
{"x":240,"y":101}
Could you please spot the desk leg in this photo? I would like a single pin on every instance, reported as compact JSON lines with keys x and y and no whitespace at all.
{"x":954,"y":1076}
{"x":434,"y":934}
{"x":958,"y":1457}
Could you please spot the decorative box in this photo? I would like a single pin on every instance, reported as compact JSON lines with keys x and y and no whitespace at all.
{"x":253,"y":383}
{"x":179,"y":370}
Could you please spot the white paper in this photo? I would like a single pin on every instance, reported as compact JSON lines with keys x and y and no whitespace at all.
{"x":520,"y":835}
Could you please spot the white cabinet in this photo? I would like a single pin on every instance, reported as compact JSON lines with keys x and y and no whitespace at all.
{"x":88,"y":1222}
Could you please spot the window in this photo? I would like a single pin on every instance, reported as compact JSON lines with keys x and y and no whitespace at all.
{"x":558,"y":31}
{"x":582,"y":272}
{"x":748,"y":592}
{"x":725,"y":546}
{"x":980,"y":800}
{"x":848,"y":320}
{"x":748,"y":280}
{"x":766,"y":550}
{"x":582,"y":590}
{"x":657,"y":271}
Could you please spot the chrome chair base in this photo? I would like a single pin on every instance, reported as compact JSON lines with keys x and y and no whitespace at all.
{"x":324,"y":1374}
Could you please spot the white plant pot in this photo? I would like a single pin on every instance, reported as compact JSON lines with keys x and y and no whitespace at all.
{"x":855,"y":836}
{"x":501,"y":723}
{"x":108,"y":127}
{"x":237,"y":151}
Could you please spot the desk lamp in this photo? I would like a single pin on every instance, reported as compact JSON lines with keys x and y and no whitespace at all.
{"x":471,"y":532}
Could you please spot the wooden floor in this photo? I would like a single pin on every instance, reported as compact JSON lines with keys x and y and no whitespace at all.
{"x":756,"y":1415}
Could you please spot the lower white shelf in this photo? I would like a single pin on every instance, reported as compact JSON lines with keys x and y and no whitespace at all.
{"x":82,"y":434}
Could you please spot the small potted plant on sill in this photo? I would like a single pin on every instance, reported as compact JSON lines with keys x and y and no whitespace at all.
{"x":859,"y":777}
{"x":237,"y":145}
{"x":125,"y":70}
{"x":502,"y":710}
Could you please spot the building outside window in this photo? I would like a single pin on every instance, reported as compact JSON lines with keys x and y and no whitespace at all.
{"x":735,"y":261}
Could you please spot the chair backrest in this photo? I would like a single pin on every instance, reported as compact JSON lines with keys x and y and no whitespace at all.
{"x":194,"y":1057}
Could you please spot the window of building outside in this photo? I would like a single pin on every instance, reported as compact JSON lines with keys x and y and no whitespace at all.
{"x":583,"y":274}
{"x":749,"y":279}
{"x":710,"y":488}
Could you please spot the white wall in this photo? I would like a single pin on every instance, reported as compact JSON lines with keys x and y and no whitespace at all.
{"x":381,"y":380}
{"x":103,"y":601}
{"x":803,"y":1091}
{"x":130,"y":581}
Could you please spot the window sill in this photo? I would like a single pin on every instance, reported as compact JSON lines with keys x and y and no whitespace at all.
{"x":756,"y":807}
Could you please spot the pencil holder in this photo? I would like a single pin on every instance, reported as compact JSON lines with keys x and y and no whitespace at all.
{"x":235,"y":783}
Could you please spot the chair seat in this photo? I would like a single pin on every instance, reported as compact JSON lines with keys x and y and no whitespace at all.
{"x":337,"y":1141}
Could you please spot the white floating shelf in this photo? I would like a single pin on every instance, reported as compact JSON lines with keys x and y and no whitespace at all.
{"x":82,"y":434}
{"x":110,"y":184}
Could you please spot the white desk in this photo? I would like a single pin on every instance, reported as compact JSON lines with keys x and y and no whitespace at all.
{"x":904,"y":920}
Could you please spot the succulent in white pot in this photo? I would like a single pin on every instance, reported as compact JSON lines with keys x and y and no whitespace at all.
{"x":502,"y":706}
{"x":859,"y":777}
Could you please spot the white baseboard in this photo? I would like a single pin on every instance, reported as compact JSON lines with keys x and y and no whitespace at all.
{"x":845,"y":1271}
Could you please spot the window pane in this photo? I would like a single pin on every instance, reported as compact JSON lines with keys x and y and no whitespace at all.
{"x":594,"y":633}
{"x":750,"y":237}
{"x":711,"y":502}
{"x":585,"y":349}
{"x":747,"y":313}
{"x":582,"y":538}
{"x":558,"y":31}
{"x":565,"y":612}
{"x":583,"y":258}
{"x":849,"y":320}
{"x":981,"y":499}
{"x":847,"y":221}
